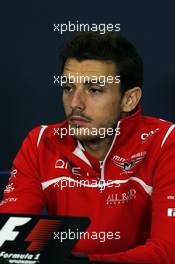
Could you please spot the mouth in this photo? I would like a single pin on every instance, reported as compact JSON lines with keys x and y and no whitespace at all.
{"x":78,"y":120}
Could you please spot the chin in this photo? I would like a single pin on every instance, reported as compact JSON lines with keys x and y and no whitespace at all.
{"x":86,"y":138}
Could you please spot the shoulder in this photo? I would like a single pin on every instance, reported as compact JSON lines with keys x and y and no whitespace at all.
{"x":46,"y":130}
{"x":163,"y":129}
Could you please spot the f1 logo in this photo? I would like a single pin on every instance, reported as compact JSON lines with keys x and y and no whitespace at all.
{"x":171,"y":212}
{"x":7,"y":232}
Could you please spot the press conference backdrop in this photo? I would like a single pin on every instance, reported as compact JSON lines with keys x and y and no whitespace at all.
{"x":29,"y":50}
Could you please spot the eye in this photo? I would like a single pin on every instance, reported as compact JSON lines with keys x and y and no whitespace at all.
{"x":94,"y":90}
{"x":67,"y":88}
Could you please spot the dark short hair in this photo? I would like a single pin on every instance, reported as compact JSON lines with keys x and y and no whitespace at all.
{"x":109,"y":46}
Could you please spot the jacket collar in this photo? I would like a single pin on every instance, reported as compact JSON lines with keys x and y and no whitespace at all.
{"x":127,"y":126}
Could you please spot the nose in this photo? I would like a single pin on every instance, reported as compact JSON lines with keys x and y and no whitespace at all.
{"x":78,"y":100}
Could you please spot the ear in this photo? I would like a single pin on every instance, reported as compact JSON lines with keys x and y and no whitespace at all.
{"x":130,"y":99}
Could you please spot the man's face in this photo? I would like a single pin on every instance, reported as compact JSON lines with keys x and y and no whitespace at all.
{"x":89,"y":104}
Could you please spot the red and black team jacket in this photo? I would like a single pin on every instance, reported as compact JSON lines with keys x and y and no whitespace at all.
{"x":129,"y":197}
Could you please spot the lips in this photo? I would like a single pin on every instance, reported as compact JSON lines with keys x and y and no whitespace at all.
{"x":78,"y":120}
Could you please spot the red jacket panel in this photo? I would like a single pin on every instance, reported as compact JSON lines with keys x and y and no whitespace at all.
{"x":130,"y":199}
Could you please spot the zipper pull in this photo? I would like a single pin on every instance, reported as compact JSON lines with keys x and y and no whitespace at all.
{"x":101,"y":185}
{"x":101,"y":163}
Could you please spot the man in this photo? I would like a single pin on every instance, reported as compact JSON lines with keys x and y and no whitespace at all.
{"x":107,"y":161}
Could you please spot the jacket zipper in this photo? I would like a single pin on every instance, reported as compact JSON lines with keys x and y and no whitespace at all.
{"x":101,"y":182}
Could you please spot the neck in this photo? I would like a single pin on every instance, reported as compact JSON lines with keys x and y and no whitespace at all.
{"x":99,"y":147}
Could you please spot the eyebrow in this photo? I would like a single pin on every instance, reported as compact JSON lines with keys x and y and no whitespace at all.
{"x":90,"y":81}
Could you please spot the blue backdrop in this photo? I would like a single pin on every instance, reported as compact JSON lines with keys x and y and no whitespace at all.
{"x":29,"y":58}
